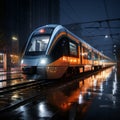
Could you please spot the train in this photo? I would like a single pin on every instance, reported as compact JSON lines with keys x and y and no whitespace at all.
{"x":52,"y":51}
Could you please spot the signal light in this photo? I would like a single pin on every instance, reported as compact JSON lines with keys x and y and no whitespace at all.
{"x":42,"y":30}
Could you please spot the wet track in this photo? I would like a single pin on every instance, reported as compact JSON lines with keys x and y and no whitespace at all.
{"x":95,"y":97}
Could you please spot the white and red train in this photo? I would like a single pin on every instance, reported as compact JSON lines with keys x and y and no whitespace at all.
{"x":53,"y":51}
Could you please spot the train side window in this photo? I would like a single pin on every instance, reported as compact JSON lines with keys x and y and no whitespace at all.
{"x":89,"y":55}
{"x":60,"y":49}
{"x":85,"y":53}
{"x":65,"y":46}
{"x":95,"y":56}
{"x":73,"y":49}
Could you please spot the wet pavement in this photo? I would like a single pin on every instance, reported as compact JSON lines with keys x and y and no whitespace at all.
{"x":10,"y":79}
{"x":94,"y":98}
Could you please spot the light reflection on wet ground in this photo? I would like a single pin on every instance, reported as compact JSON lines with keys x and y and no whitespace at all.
{"x":77,"y":96}
{"x":5,"y":79}
{"x":96,"y":97}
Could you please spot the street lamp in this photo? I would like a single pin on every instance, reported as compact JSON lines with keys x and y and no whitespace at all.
{"x":106,"y":36}
{"x":15,"y":45}
{"x":14,"y":38}
{"x":15,"y":49}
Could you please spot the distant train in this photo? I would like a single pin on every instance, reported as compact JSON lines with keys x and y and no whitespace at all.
{"x":52,"y":51}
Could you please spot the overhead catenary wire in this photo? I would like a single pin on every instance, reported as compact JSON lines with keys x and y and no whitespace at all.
{"x":63,"y":9}
{"x":108,"y":23}
{"x":72,"y":9}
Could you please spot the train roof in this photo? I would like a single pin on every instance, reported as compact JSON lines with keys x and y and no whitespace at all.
{"x":58,"y":27}
{"x":86,"y":44}
{"x":47,"y":26}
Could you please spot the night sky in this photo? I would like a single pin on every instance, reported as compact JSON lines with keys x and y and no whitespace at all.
{"x":74,"y":11}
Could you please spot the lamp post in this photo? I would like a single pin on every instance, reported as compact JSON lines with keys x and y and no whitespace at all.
{"x":15,"y":50}
{"x":15,"y":45}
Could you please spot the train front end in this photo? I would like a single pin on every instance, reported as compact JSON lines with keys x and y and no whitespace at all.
{"x":35,"y":52}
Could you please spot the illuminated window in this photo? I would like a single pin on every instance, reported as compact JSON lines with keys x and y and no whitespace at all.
{"x":73,"y":49}
{"x":95,"y":56}
{"x":38,"y":44}
{"x":85,"y":53}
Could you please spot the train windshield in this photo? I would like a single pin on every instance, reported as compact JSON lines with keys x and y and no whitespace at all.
{"x":37,"y":45}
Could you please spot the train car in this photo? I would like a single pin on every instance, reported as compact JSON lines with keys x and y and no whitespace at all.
{"x":52,"y":51}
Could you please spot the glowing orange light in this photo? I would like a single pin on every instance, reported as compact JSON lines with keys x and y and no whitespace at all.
{"x":42,"y":30}
{"x":64,"y":58}
{"x":75,"y":60}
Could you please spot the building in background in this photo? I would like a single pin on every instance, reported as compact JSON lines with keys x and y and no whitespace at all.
{"x":18,"y":18}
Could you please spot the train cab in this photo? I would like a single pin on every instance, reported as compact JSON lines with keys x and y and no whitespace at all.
{"x":35,"y":52}
{"x":43,"y":52}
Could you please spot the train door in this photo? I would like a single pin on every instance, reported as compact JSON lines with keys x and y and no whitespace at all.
{"x":60,"y":50}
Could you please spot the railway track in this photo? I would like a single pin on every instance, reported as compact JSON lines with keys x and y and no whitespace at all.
{"x":27,"y":91}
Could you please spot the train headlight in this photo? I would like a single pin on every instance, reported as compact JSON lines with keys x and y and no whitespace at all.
{"x":43,"y":61}
{"x":22,"y":61}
